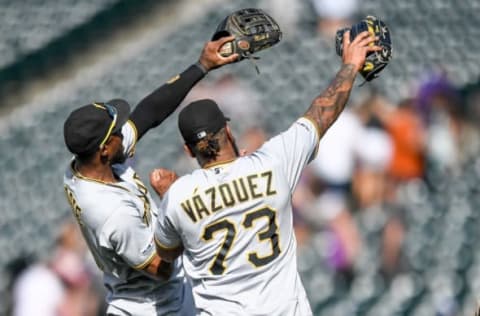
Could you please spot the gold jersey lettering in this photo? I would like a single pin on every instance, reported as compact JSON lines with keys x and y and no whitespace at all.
{"x":240,"y":189}
{"x":213,"y":202}
{"x":253,"y":186}
{"x":147,"y":215}
{"x":228,"y":194}
{"x":74,"y":205}
{"x":269,"y":190}
{"x":187,"y":208}
{"x":200,"y":207}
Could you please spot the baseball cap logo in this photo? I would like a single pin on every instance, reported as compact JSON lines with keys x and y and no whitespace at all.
{"x":200,"y":118}
{"x":201,"y":134}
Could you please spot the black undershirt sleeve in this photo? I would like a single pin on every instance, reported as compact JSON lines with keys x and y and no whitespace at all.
{"x":162,"y":102}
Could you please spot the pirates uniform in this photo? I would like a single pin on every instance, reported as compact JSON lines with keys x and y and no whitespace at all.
{"x":234,"y":221}
{"x":116,"y":220}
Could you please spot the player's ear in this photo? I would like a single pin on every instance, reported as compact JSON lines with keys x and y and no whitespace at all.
{"x":106,"y":148}
{"x":188,"y":151}
{"x":103,"y":154}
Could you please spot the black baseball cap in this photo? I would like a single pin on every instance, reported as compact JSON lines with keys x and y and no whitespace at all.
{"x":199,"y":118}
{"x":88,"y":127}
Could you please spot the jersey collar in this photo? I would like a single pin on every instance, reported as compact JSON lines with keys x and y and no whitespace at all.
{"x":218,"y":163}
{"x":77,"y":174}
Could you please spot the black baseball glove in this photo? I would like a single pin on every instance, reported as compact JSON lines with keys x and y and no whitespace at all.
{"x":375,"y":61}
{"x":254,"y":30}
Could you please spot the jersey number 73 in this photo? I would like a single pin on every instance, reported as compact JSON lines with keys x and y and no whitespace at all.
{"x":270,"y":234}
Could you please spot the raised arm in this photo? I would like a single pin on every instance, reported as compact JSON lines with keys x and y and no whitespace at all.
{"x":330,"y":103}
{"x":159,"y":104}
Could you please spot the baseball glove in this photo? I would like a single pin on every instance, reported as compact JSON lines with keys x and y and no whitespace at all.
{"x":375,"y":61}
{"x":254,"y":30}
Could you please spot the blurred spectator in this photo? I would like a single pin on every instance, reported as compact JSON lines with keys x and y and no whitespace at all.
{"x":302,"y":230}
{"x":323,"y":197}
{"x":408,"y":134}
{"x":302,"y":197}
{"x":345,"y":238}
{"x":452,"y":139}
{"x":333,"y":15}
{"x":61,"y":286}
{"x":374,"y":155}
{"x":70,"y":265}
{"x":370,"y":176}
{"x":37,"y":291}
{"x":338,"y":151}
{"x":333,"y":170}
{"x":373,"y":159}
{"x":326,"y":213}
{"x":13,"y":270}
{"x":373,"y":171}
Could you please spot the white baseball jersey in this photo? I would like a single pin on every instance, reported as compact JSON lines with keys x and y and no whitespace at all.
{"x":235,"y":222}
{"x":116,"y":220}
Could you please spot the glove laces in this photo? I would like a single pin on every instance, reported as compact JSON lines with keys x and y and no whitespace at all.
{"x":252,"y":59}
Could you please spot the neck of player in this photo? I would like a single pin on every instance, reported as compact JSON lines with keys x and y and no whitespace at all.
{"x":96,"y":169}
{"x":226,"y":154}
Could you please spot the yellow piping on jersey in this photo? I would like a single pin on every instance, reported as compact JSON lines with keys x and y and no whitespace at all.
{"x":135,"y":131}
{"x":77,"y":174}
{"x":317,"y":128}
{"x":218,"y":163}
{"x":144,"y":264}
{"x":162,"y":246}
{"x":319,"y":135}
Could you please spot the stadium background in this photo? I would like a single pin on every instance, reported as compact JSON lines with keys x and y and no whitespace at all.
{"x":59,"y":54}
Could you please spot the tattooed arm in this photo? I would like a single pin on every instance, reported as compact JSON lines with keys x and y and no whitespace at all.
{"x":329,"y":104}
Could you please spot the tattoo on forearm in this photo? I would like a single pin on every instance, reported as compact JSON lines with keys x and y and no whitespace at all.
{"x":327,"y":106}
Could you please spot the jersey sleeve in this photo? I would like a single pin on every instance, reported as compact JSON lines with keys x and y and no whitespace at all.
{"x":130,"y":237}
{"x":129,"y":132}
{"x":166,"y":234}
{"x":294,"y":148}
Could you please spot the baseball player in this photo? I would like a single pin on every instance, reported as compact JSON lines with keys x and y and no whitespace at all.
{"x":232,"y":219}
{"x":112,"y":205}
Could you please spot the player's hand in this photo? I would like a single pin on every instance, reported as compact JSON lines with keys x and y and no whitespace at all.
{"x":211,"y":58}
{"x":161,"y":179}
{"x":356,"y":51}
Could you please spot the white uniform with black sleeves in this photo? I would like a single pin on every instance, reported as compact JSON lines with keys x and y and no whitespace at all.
{"x":116,"y":220}
{"x":235,"y":222}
